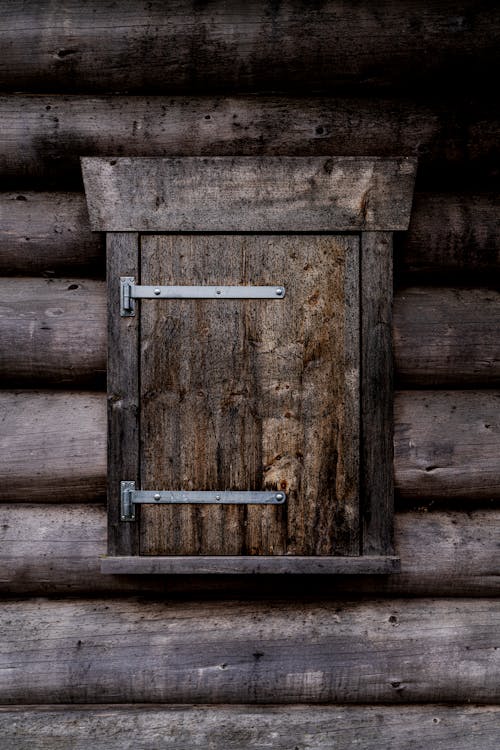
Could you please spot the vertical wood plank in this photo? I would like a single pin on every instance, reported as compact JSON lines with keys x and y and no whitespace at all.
{"x":377,"y":482}
{"x":252,"y":395}
{"x":122,"y":259}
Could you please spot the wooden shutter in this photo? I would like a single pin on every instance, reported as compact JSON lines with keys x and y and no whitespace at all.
{"x":288,"y":394}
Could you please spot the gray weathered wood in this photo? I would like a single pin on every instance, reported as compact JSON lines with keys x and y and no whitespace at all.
{"x":377,"y":484}
{"x":44,"y":136}
{"x":250,"y":565}
{"x":249,"y":194}
{"x":447,"y":336}
{"x":55,"y":549}
{"x":52,"y":331}
{"x":252,"y":395}
{"x":442,"y":336}
{"x":257,"y":46}
{"x":452,"y":233}
{"x":53,"y":445}
{"x":147,"y":727}
{"x":447,"y":444}
{"x":122,"y":259}
{"x":284,"y":651}
{"x":49,"y":233}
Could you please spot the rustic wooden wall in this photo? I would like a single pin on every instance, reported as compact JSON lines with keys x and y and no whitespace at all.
{"x":254,"y":77}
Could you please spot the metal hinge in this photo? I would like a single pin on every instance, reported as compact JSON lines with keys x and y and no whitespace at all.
{"x":130,"y":497}
{"x":130,"y":291}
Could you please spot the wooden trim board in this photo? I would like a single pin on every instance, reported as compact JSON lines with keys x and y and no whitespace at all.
{"x":249,"y":194}
{"x":263,"y":564}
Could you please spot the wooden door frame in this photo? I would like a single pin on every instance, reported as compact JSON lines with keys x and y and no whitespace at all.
{"x":369,"y":196}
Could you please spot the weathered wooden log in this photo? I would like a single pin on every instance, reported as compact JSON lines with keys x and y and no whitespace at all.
{"x":285,"y":651}
{"x":54,"y":332}
{"x":451,"y":234}
{"x":55,"y":549}
{"x":49,"y":234}
{"x":340,"y":727}
{"x":53,"y":446}
{"x":447,"y":444}
{"x":445,"y":336}
{"x":44,"y":136}
{"x":257,"y":46}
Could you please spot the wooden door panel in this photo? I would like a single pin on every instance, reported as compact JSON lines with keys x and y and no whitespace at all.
{"x":252,"y":394}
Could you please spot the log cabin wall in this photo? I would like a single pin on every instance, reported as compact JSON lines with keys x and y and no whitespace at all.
{"x":406,"y":659}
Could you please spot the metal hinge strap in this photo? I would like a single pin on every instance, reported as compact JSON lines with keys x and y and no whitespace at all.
{"x":130,"y":497}
{"x":130,"y":291}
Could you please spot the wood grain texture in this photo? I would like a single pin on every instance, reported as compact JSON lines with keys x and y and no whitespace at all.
{"x":377,"y":429}
{"x":451,"y":234}
{"x":447,"y":336}
{"x":52,"y":331}
{"x":276,"y":408}
{"x":258,"y":194}
{"x":52,"y":446}
{"x":123,"y":403}
{"x":253,"y":46}
{"x":447,"y":444}
{"x":135,"y":650}
{"x":442,"y":336}
{"x":146,"y":727}
{"x":249,"y":565}
{"x":45,"y":136}
{"x":55,"y":549}
{"x":48,"y":234}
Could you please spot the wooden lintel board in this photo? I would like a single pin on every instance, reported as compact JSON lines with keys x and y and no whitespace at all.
{"x":249,"y":194}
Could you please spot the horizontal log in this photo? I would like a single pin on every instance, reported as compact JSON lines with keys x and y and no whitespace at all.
{"x":245,"y":46}
{"x":49,"y":233}
{"x":54,"y":333}
{"x":53,"y":446}
{"x":445,"y":336}
{"x":451,"y":234}
{"x":135,"y":650}
{"x":45,"y":136}
{"x":446,"y":444}
{"x":55,"y":549}
{"x":143,"y":727}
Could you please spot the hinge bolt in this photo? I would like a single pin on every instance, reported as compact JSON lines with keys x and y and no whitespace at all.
{"x":157,"y":291}
{"x":157,"y":496}
{"x":280,"y":496}
{"x":279,"y":292}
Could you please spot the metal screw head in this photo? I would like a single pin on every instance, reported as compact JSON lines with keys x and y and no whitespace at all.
{"x":157,"y":497}
{"x":157,"y":291}
{"x":280,"y":496}
{"x":280,"y":291}
{"x":217,"y":497}
{"x":218,"y":291}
